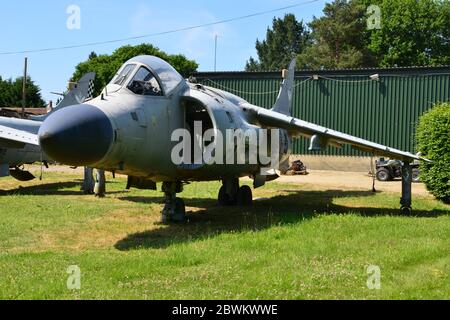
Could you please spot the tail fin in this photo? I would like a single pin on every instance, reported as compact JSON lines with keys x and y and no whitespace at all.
{"x":83,"y":90}
{"x":284,"y":100}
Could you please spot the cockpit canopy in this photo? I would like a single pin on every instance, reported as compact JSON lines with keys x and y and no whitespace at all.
{"x":147,"y":75}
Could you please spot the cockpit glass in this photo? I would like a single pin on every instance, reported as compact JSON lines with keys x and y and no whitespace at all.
{"x":145,"y":83}
{"x":123,"y":74}
{"x":169,"y":77}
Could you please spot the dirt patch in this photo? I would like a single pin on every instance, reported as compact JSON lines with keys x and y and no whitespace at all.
{"x":102,"y":232}
{"x":324,"y":179}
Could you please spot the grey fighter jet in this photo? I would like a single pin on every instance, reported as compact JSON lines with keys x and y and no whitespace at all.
{"x":18,"y":137}
{"x":154,"y":126}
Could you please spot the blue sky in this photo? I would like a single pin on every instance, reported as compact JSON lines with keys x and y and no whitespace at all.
{"x":41,"y":24}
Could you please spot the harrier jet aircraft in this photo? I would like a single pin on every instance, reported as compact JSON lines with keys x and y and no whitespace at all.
{"x":18,"y":137}
{"x":154,"y":126}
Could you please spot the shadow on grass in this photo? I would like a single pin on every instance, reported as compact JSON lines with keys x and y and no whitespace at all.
{"x":211,"y":220}
{"x":56,"y":188}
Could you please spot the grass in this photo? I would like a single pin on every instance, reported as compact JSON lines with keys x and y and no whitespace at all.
{"x":299,"y":243}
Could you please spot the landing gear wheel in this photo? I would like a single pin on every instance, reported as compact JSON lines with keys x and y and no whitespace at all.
{"x":244,"y":196}
{"x":383,"y":174}
{"x":180,"y":211}
{"x":223,"y":198}
{"x":228,"y":192}
{"x":174,"y":211}
{"x":406,"y":210}
{"x":415,"y":175}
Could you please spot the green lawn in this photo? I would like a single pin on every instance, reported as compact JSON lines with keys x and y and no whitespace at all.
{"x":296,"y":243}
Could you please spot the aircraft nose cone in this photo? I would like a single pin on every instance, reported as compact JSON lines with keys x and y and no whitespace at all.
{"x":78,"y":135}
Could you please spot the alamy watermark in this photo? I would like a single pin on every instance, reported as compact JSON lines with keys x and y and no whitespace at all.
{"x":238,"y":146}
{"x":74,"y":279}
{"x":73,"y":21}
{"x":374,"y":17}
{"x":374,"y":277}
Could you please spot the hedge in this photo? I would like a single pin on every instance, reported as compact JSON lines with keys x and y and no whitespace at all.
{"x":433,"y":141}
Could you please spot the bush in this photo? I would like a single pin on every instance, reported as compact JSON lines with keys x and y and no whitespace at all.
{"x":433,"y":141}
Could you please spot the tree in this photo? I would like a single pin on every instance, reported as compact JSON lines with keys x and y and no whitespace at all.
{"x":11,"y":93}
{"x":338,"y":38}
{"x":106,"y":66}
{"x":92,"y":55}
{"x":287,"y":38}
{"x":412,"y":33}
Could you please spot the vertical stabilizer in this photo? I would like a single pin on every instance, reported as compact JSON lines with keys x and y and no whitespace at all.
{"x":83,"y":90}
{"x":284,"y":100}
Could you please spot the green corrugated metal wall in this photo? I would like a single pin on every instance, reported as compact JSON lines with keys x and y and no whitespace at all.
{"x":383,"y":111}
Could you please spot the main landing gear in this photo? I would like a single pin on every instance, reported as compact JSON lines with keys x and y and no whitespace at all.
{"x":231,"y":194}
{"x":174,"y":209}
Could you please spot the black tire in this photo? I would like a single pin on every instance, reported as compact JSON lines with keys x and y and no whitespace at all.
{"x":223,"y":199}
{"x":406,"y":210}
{"x":415,"y":175}
{"x":180,"y":211}
{"x":244,"y":196}
{"x":383,"y":174}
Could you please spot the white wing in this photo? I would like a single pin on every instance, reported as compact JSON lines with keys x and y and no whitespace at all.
{"x":15,"y":135}
{"x":322,"y":137}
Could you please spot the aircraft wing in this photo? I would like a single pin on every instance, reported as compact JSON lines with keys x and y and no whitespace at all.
{"x":15,"y":135}
{"x":322,"y":137}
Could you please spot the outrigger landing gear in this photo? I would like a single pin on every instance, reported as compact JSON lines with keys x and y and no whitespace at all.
{"x":100,"y":183}
{"x":405,"y":200}
{"x":88,"y":182}
{"x":174,"y":209}
{"x":231,"y":194}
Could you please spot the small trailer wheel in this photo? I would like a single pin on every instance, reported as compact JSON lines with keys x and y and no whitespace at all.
{"x":406,"y":210}
{"x":383,"y":174}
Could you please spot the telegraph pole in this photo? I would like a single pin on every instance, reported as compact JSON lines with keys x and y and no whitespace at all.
{"x":215,"y":53}
{"x":24,"y":87}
